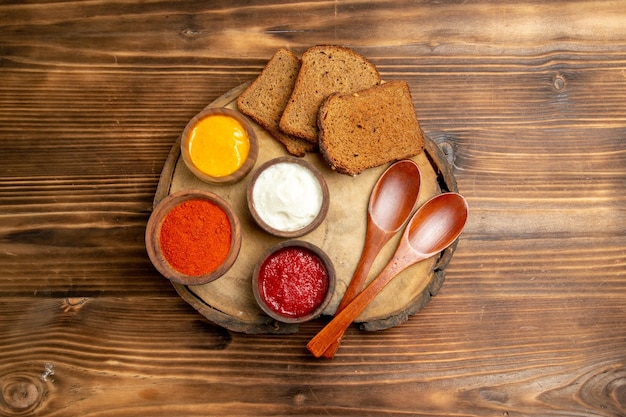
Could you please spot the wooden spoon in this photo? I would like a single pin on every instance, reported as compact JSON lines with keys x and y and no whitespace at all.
{"x":433,"y":227}
{"x":391,"y":203}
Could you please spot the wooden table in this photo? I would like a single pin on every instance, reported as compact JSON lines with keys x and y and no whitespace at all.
{"x":528,"y":99}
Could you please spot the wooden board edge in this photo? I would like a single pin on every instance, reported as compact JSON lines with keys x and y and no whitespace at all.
{"x":269,"y":326}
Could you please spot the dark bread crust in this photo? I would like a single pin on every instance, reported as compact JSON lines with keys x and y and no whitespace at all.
{"x":369,"y":128}
{"x":266,"y":97}
{"x":325,"y":69}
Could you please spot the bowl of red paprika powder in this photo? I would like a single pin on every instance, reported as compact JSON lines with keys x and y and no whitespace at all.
{"x":193,"y":237}
{"x":294,"y":281}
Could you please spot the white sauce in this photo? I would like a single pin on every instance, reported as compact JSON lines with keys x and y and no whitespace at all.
{"x":287,"y":196}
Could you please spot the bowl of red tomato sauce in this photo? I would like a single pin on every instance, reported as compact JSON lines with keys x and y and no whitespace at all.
{"x":294,"y":281}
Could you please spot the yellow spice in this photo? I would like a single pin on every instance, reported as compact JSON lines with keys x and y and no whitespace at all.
{"x":218,"y":145}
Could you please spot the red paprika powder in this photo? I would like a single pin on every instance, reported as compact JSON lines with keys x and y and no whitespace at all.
{"x":196,"y":237}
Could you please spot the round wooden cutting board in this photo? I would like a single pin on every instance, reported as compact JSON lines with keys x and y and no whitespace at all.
{"x":229,"y":301}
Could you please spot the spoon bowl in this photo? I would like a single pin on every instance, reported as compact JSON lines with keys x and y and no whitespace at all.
{"x":433,"y":227}
{"x":437,"y":224}
{"x":394,"y":196}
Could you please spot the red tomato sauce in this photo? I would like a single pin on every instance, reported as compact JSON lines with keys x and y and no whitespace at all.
{"x":293,"y":282}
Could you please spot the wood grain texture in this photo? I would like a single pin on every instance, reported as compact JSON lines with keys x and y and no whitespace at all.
{"x":527,"y":99}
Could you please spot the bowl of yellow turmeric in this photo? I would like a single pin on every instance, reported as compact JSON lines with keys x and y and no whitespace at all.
{"x":219,"y":145}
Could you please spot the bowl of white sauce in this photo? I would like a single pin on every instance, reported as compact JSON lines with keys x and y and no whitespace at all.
{"x":288,"y":197}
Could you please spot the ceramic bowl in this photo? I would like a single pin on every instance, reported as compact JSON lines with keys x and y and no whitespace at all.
{"x":294,"y":281}
{"x":288,"y":203}
{"x":183,"y":266}
{"x":243,"y":169}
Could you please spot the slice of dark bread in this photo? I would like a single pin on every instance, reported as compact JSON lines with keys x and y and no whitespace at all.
{"x":325,"y":70}
{"x":369,"y":128}
{"x":266,"y":97}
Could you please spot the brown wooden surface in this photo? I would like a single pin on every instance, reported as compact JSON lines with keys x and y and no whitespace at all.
{"x":528,"y":99}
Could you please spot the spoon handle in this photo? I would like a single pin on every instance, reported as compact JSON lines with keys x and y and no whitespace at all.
{"x":375,"y":240}
{"x":333,"y":331}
